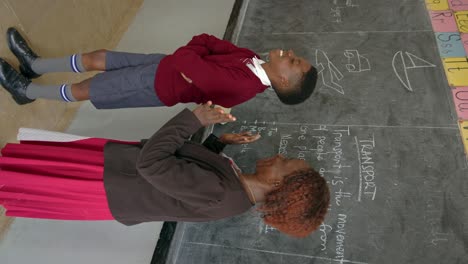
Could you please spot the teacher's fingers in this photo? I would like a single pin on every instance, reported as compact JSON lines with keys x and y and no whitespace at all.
{"x":208,"y":104}
{"x":220,"y":118}
{"x":251,"y":138}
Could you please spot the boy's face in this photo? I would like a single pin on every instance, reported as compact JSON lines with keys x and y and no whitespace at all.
{"x":288,"y":65}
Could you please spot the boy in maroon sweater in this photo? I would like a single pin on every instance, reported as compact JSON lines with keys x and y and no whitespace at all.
{"x":207,"y":68}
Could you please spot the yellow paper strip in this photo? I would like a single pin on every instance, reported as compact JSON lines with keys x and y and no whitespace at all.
{"x":456,"y":70}
{"x":462,"y":21}
{"x":464,"y":133}
{"x":437,"y":5}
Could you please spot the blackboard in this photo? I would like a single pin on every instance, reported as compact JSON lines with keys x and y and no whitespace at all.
{"x":381,"y":128}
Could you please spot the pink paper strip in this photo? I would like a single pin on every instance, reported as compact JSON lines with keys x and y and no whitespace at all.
{"x":464,"y":37}
{"x":443,"y":21}
{"x":460,"y":97}
{"x":458,"y":5}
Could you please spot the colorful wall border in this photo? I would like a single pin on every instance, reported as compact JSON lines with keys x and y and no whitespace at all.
{"x":449,"y":20}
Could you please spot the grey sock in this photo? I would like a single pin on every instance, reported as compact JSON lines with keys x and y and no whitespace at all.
{"x":55,"y":92}
{"x":71,"y":63}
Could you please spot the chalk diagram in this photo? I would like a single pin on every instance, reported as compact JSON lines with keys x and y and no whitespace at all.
{"x":356,"y":62}
{"x":329,"y":73}
{"x":403,"y":62}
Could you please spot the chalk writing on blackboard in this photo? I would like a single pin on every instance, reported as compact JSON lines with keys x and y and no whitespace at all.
{"x":340,"y":238}
{"x":403,"y":62}
{"x":336,"y":14}
{"x":269,"y":229}
{"x":329,"y":73}
{"x":324,"y":230}
{"x":348,"y":157}
{"x":338,"y":5}
{"x":367,"y":183}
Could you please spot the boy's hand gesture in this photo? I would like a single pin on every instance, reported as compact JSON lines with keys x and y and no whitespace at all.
{"x":186,"y":78}
{"x":240,"y":138}
{"x":209,"y":115}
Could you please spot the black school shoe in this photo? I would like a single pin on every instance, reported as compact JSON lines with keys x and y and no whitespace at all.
{"x":14,"y":83}
{"x":23,"y":52}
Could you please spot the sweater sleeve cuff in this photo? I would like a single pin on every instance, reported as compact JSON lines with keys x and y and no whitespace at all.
{"x":213,"y":144}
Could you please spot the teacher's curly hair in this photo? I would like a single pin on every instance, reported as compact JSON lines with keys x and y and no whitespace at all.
{"x":299,"y":205}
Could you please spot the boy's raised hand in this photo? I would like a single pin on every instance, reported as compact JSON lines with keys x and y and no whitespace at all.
{"x":240,"y":138}
{"x":209,"y":115}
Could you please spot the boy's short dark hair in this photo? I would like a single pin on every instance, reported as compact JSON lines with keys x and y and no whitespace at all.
{"x":302,"y":91}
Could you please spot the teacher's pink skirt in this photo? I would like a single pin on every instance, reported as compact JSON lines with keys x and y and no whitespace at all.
{"x":54,"y":180}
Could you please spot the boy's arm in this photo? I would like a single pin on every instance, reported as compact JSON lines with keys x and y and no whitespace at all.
{"x":213,"y":80}
{"x":212,"y":44}
{"x":207,"y":76}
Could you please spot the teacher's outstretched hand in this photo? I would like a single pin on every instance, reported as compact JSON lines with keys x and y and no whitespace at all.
{"x":239,"y":138}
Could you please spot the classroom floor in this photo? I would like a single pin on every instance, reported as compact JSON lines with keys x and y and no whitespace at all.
{"x":73,"y":27}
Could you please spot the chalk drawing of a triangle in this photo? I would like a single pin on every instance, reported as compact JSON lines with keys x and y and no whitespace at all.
{"x":417,"y":62}
{"x":401,"y":64}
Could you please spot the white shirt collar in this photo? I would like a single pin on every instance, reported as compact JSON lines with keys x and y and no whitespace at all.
{"x":255,"y":65}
